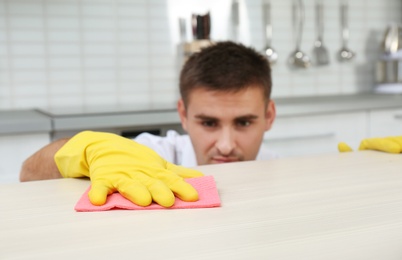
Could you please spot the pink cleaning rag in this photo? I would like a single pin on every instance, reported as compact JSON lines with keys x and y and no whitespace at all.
{"x":207,"y":194}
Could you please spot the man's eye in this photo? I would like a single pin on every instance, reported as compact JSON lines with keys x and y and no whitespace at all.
{"x":209,"y":123}
{"x":243,"y":123}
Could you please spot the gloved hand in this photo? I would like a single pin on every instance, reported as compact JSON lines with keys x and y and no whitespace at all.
{"x":391,"y":144}
{"x":115,"y":163}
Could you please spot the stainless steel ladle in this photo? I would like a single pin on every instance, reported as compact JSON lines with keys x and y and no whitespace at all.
{"x":269,"y":51}
{"x":298,"y":58}
{"x":345,"y":54}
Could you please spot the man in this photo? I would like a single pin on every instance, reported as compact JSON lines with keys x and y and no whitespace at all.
{"x":225,"y":107}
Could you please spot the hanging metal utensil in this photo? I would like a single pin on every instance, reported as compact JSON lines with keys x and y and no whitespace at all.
{"x":297,"y":58}
{"x":345,"y":54}
{"x":269,"y":52}
{"x":236,"y":20}
{"x":320,"y":52}
{"x":182,"y":28}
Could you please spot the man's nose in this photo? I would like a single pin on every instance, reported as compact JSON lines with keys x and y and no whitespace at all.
{"x":226,"y":142}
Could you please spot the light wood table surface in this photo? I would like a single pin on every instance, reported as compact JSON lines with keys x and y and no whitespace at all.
{"x":338,"y":206}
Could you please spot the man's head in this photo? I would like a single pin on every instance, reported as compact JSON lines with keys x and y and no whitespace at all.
{"x":227,"y":67}
{"x":225,"y":105}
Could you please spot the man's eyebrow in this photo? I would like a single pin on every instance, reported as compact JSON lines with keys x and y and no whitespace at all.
{"x":247,"y":117}
{"x":205,"y":117}
{"x":244,"y":117}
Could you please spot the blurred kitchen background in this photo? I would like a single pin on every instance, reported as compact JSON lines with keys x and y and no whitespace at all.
{"x":112,"y":65}
{"x":106,"y":52}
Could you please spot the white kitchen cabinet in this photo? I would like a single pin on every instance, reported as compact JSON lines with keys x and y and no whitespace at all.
{"x":14,"y":149}
{"x":315,"y":134}
{"x":385,"y":122}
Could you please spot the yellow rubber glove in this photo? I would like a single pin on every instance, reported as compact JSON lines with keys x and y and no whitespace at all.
{"x":114,"y":163}
{"x":392,"y":144}
{"x":344,"y":147}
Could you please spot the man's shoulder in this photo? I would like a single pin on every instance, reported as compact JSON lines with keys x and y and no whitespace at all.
{"x":171,"y":147}
{"x":176,"y":137}
{"x":172,"y":138}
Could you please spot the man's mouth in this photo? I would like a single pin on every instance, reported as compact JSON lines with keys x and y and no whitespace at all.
{"x":220,"y":159}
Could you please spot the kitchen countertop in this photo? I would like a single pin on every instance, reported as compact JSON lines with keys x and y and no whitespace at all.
{"x":98,"y":117}
{"x":22,"y":121}
{"x":336,"y":104}
{"x":333,"y":206}
{"x":111,"y":117}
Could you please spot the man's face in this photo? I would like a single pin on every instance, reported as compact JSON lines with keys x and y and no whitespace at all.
{"x":226,"y":126}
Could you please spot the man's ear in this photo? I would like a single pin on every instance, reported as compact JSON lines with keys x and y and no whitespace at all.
{"x":270,"y":115}
{"x":181,"y":109}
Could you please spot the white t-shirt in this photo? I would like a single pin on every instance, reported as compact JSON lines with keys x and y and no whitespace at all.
{"x":177,"y":149}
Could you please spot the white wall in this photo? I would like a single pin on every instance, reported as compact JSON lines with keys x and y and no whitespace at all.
{"x":84,"y":52}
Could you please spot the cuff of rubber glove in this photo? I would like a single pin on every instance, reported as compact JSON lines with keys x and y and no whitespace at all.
{"x":71,"y":158}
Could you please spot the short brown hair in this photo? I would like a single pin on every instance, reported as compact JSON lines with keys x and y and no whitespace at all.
{"x":225,"y":66}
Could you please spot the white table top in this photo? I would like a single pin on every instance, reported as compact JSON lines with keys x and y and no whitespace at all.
{"x":339,"y":206}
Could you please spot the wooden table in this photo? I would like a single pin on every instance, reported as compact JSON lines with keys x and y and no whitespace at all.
{"x":339,"y":206}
